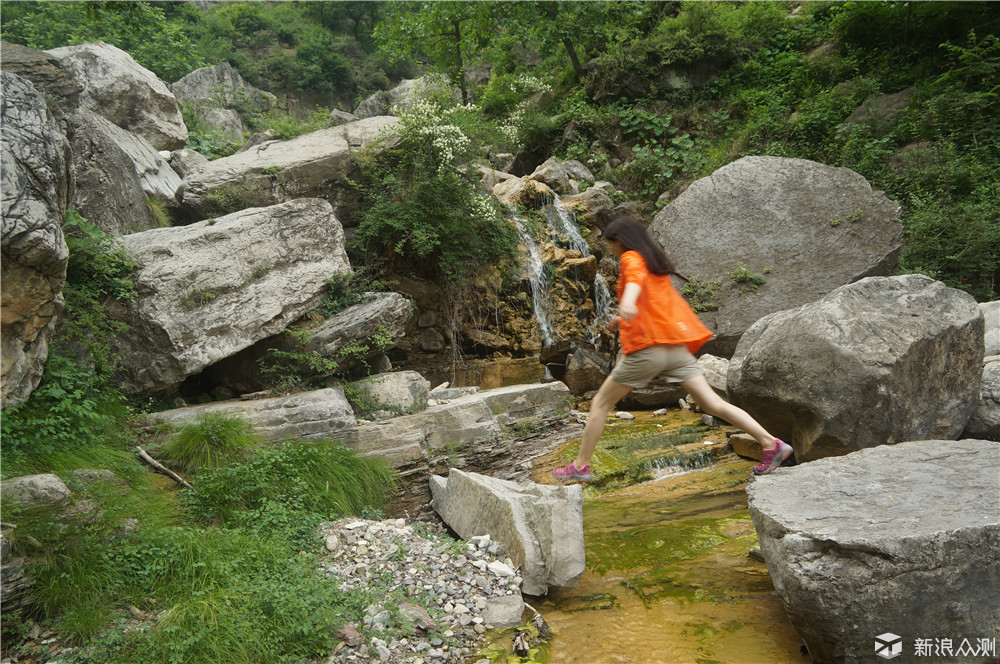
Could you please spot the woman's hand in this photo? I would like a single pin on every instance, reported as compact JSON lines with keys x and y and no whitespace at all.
{"x":628,"y":311}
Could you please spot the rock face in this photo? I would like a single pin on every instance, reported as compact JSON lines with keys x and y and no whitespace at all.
{"x":320,"y":414}
{"x":901,"y":539}
{"x":404,"y":95}
{"x":385,"y":313}
{"x":211,"y":289}
{"x":879,"y":361}
{"x":401,"y":391}
{"x":311,"y":165}
{"x":45,"y":73}
{"x":985,"y":420}
{"x":211,"y":90}
{"x":586,"y":369}
{"x":30,"y":490}
{"x":592,"y":207}
{"x":36,"y":185}
{"x":991,"y":315}
{"x":804,"y":227}
{"x":98,"y":160}
{"x":541,"y":527}
{"x":129,"y":95}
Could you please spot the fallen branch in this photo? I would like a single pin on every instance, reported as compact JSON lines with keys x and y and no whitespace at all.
{"x":160,"y":468}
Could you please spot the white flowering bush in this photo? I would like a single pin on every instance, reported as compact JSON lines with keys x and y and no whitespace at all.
{"x":420,"y":207}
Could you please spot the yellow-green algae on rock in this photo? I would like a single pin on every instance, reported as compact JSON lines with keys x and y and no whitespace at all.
{"x":668,"y":578}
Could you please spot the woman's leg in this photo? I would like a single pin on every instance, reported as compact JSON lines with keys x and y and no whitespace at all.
{"x":713,"y":404}
{"x":607,"y":396}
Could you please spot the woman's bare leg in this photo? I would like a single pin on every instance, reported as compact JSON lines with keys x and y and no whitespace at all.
{"x":607,"y":396}
{"x":713,"y":404}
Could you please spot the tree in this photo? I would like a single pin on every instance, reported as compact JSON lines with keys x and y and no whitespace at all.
{"x":137,"y":28}
{"x":451,"y":35}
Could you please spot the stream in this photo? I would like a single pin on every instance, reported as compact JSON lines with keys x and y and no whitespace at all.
{"x":668,"y":577}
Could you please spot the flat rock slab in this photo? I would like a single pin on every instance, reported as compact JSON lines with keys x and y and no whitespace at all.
{"x":902,"y":539}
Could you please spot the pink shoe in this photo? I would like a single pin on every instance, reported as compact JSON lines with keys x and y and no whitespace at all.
{"x":571,"y":472}
{"x":773,"y":457}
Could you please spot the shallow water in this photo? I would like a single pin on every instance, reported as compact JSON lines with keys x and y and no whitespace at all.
{"x":668,"y":578}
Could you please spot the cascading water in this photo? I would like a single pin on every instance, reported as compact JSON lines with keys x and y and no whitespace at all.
{"x":602,"y":307}
{"x":562,"y":222}
{"x":537,"y":278}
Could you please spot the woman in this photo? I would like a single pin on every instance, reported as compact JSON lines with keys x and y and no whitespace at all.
{"x":658,"y":333}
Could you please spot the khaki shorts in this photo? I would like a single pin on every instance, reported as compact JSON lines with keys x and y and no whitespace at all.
{"x":639,"y":368}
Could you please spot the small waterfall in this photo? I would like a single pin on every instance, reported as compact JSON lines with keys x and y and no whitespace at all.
{"x":537,"y":278}
{"x":561,"y":221}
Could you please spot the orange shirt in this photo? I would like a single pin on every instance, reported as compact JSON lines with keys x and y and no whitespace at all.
{"x":664,"y":316}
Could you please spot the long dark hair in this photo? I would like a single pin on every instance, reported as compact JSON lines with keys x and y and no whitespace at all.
{"x":633,"y":236}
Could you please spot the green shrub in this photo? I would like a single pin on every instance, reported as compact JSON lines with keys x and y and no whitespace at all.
{"x":747,"y":279}
{"x":212,"y":441}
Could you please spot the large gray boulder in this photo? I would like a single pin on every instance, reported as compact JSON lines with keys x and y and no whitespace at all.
{"x":121,"y":158}
{"x":311,"y":165}
{"x":991,"y":316}
{"x":213,"y":288}
{"x":108,"y":190}
{"x":399,"y":391}
{"x":805,"y":227}
{"x":540,"y":527}
{"x":34,"y":490}
{"x":34,"y":196}
{"x":405,"y":95}
{"x":215,"y":94}
{"x":126,"y":93}
{"x":45,"y":72}
{"x":880,"y":361}
{"x":985,"y":420}
{"x":316,"y":414}
{"x":385,"y":314}
{"x":901,"y":539}
{"x":552,"y":173}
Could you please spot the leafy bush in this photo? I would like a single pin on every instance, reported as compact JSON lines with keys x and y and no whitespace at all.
{"x":213,"y":441}
{"x":423,"y":210}
{"x":345,"y":289}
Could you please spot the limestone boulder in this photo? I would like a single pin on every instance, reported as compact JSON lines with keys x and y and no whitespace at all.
{"x":802,"y":228}
{"x":210,"y":289}
{"x":45,"y":72}
{"x":108,"y":192}
{"x":311,"y":165}
{"x":115,"y":172}
{"x":716,"y":372}
{"x":523,"y":192}
{"x":592,"y":207}
{"x":540,"y":527}
{"x":34,"y":196}
{"x":586,"y":369}
{"x":185,"y":161}
{"x":34,"y":490}
{"x":577,"y":170}
{"x":399,"y":392}
{"x":985,"y":420}
{"x":405,"y":95}
{"x":876,"y":362}
{"x":991,"y":317}
{"x":214,"y":93}
{"x":385,"y":314}
{"x":552,"y":173}
{"x":532,"y":402}
{"x":903,"y":539}
{"x":338,"y":117}
{"x":129,"y":95}
{"x":316,"y":414}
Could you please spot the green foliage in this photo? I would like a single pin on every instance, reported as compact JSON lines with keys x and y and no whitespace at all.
{"x":294,"y":365}
{"x":280,"y":486}
{"x":286,"y":127}
{"x":421,"y":209}
{"x":345,"y":289}
{"x":159,"y":213}
{"x":701,"y":294}
{"x":214,"y":440}
{"x":138,"y":28}
{"x":748,"y":280}
{"x":232,"y":198}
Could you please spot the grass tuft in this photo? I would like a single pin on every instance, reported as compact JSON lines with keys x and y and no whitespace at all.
{"x":213,"y":441}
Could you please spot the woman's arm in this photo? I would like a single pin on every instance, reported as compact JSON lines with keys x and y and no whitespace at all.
{"x":627,"y":308}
